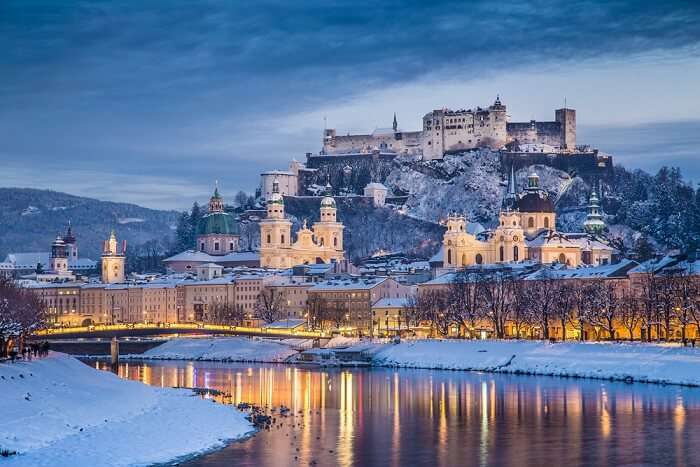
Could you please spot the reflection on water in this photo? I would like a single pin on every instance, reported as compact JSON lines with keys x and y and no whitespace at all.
{"x":420,"y":417}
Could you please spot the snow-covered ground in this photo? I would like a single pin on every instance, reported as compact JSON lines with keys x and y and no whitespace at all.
{"x":636,"y":362}
{"x":59,"y":412}
{"x":230,"y":349}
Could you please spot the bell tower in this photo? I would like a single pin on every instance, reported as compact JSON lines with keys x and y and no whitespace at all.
{"x":275,"y":232}
{"x":113,"y":259}
{"x":328,"y":231}
{"x":59,"y":258}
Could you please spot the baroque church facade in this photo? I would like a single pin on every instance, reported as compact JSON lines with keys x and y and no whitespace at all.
{"x":323,"y":243}
{"x":526,"y":231}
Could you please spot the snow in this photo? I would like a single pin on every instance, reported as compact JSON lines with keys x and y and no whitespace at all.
{"x":230,"y":349}
{"x":59,"y":412}
{"x":130,"y":220}
{"x":631,"y":362}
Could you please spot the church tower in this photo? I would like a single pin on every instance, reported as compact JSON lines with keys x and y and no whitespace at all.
{"x":275,"y":232}
{"x":594,"y":223}
{"x":328,"y":231}
{"x":113,"y":259}
{"x":59,"y":259}
{"x":71,"y":244}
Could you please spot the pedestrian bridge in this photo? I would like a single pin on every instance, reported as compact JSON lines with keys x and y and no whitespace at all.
{"x":145,"y":330}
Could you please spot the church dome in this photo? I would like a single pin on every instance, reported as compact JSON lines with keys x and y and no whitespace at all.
{"x":535,"y":201}
{"x":328,"y":202}
{"x":218,"y":223}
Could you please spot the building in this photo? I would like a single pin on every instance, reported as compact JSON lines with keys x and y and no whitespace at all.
{"x":218,"y":232}
{"x":526,"y":231}
{"x":376,"y":191}
{"x":323,"y":243}
{"x":23,"y":264}
{"x":113,"y":260}
{"x":446,"y":131}
{"x":346,"y":303}
{"x":288,"y":180}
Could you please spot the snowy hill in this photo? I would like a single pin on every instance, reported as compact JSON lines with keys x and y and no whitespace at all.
{"x":36,"y":216}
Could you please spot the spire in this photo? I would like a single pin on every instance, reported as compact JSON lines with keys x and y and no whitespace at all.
{"x":395,"y":124}
{"x":216,"y":202}
{"x":511,"y":181}
{"x":216,"y":189}
{"x":594,"y":223}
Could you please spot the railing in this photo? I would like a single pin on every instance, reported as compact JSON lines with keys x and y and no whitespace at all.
{"x":179,"y":327}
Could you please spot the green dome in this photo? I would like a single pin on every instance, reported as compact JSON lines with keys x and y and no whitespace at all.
{"x":218,"y":223}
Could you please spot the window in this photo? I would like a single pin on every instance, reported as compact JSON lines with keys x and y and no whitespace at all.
{"x":269,"y":240}
{"x":283,"y":239}
{"x":531,"y":222}
{"x":546,"y":222}
{"x":230,"y":246}
{"x":501,"y":253}
{"x":216,"y":246}
{"x":201,"y":246}
{"x":515,"y":253}
{"x":449,"y":256}
{"x":335,"y":241}
{"x":562,"y":258}
{"x":479,"y":259}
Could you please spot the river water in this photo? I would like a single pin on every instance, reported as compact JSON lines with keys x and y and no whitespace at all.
{"x":389,"y":417}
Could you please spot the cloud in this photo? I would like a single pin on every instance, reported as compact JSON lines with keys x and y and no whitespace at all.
{"x":193,"y":91}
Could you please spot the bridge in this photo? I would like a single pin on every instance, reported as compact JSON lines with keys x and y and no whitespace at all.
{"x":149,"y":330}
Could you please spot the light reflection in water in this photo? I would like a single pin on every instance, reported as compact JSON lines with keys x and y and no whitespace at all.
{"x":419,"y":417}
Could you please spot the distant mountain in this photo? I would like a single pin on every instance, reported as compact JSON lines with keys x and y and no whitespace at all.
{"x":30,"y":220}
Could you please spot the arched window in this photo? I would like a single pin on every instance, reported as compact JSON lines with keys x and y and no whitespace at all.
{"x":449,"y":256}
{"x":531,"y":222}
{"x":501,"y":253}
{"x":562,"y":258}
{"x":464,"y":259}
{"x":546,"y":222}
{"x":282,"y":239}
{"x":515,"y":253}
{"x":335,"y":241}
{"x":230,"y":246}
{"x":269,"y":239}
{"x":321,"y":241}
{"x":479,"y":259}
{"x":201,"y":246}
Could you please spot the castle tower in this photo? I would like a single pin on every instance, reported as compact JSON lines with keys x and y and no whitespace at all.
{"x":275,"y":232}
{"x":567,"y":119}
{"x":328,"y":231}
{"x":58,"y":262}
{"x":497,"y":115}
{"x":113,"y":259}
{"x":594,"y":223}
{"x":71,"y":244}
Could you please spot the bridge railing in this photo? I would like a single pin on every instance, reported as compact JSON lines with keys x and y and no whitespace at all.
{"x":57,"y":331}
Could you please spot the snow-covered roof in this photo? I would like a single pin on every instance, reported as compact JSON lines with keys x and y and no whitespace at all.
{"x":199,"y":256}
{"x":598,"y":272}
{"x":348,"y":284}
{"x":391,"y":303}
{"x":277,"y":172}
{"x":30,"y":260}
{"x":439,"y":256}
{"x":376,"y":185}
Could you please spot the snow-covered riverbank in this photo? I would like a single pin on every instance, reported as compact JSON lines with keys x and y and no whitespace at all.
{"x":630,"y":362}
{"x":59,"y":412}
{"x":223,"y":349}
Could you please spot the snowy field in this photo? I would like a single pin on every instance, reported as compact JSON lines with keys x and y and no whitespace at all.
{"x":631,"y":362}
{"x":59,"y":412}
{"x":224,"y":349}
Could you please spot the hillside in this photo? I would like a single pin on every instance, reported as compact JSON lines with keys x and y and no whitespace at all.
{"x":30,"y":220}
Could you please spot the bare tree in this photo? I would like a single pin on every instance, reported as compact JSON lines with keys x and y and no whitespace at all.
{"x":686,"y":292}
{"x":649,"y":297}
{"x":224,"y":313}
{"x":540,"y":295}
{"x":430,"y":306}
{"x":604,"y":308}
{"x":328,"y":313}
{"x":581,"y":303}
{"x":21,"y":313}
{"x":462,"y":299}
{"x":564,"y":300}
{"x":497,"y":290}
{"x":631,"y":314}
{"x":268,"y":306}
{"x":520,"y":315}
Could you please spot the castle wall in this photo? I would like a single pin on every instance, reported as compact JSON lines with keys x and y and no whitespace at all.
{"x":398,"y":142}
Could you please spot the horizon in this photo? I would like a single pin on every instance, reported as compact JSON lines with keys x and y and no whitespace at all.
{"x":150,"y":104}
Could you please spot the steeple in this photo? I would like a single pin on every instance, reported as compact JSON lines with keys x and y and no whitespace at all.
{"x":510,"y":198}
{"x":594,"y":223}
{"x":216,"y":202}
{"x":395,"y":125}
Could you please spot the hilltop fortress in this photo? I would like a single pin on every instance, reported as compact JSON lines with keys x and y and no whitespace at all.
{"x":446,"y":131}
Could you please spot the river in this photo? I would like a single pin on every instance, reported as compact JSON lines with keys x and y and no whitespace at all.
{"x":397,"y":417}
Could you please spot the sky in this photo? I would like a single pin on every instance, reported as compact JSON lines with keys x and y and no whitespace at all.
{"x":152,"y":101}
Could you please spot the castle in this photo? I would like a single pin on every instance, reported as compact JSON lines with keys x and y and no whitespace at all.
{"x":323,"y":243}
{"x":445,"y":131}
{"x":526,"y":231}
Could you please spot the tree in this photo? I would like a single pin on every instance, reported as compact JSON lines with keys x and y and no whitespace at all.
{"x":686,"y":292}
{"x":540,"y":297}
{"x":603,"y":311}
{"x":268,"y":306}
{"x":224,"y":313}
{"x":630,"y":311}
{"x":564,"y":300}
{"x":462,"y":298}
{"x":649,"y":296}
{"x":520,"y":315}
{"x":241,"y":199}
{"x":21,"y":313}
{"x":497,"y":290}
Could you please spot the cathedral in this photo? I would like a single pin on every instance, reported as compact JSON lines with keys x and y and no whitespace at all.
{"x":218,"y":233}
{"x":323,"y":243}
{"x":526,"y":231}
